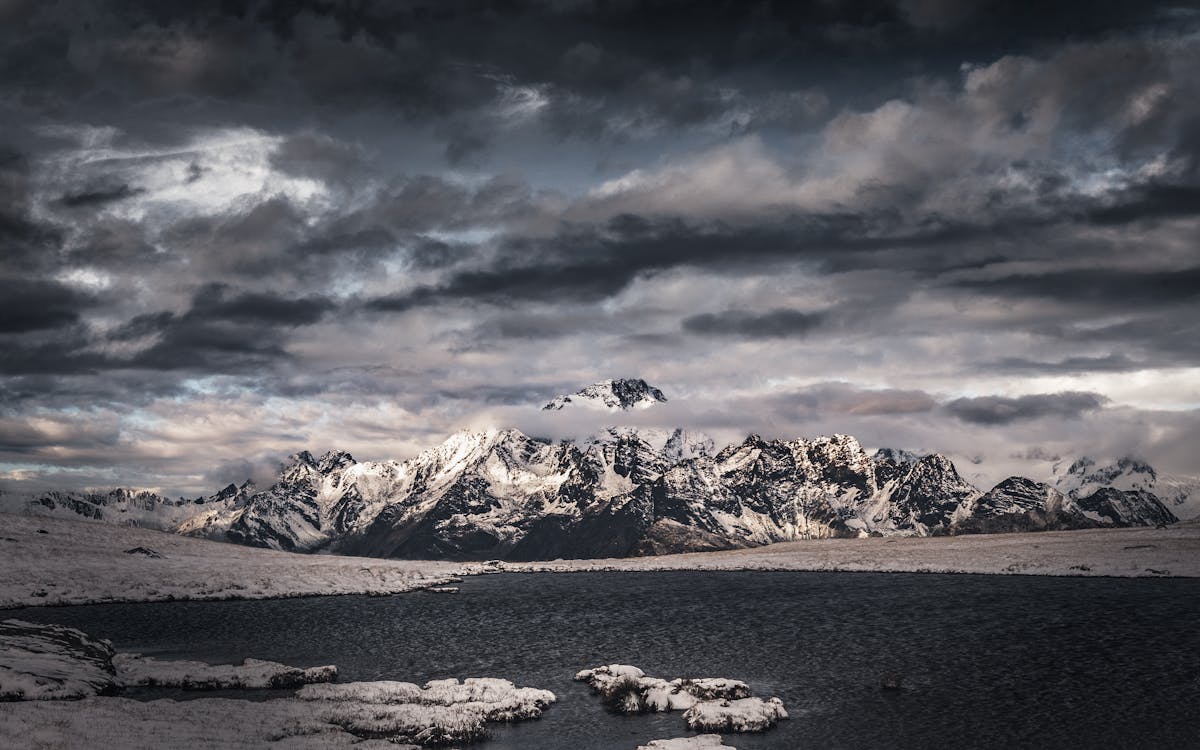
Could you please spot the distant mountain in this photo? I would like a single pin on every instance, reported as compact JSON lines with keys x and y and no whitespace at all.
{"x":611,"y":395}
{"x":624,"y":491}
{"x":1083,"y":476}
{"x":121,"y":507}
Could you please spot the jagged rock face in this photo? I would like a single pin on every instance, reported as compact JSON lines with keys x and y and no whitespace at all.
{"x":1016,"y":504}
{"x":1112,"y":507}
{"x":626,"y":491}
{"x":931,"y":496}
{"x":612,"y":395}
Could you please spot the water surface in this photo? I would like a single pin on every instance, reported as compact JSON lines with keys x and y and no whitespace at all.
{"x":989,"y":661}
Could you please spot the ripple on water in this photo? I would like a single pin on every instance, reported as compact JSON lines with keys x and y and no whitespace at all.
{"x":988,"y":661}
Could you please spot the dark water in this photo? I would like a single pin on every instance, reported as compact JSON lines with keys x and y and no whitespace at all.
{"x":988,"y":661}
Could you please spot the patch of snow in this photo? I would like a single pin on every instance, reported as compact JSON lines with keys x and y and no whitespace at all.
{"x":494,"y":699}
{"x":699,"y":742}
{"x":725,"y":704}
{"x":135,"y":670}
{"x":52,"y":662}
{"x":743,"y":715}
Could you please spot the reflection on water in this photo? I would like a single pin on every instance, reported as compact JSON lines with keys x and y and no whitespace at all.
{"x":988,"y":661}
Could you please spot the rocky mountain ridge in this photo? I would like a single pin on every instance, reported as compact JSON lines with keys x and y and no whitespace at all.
{"x":625,"y":491}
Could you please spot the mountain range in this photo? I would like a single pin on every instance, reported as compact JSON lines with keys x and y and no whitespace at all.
{"x":499,"y":493}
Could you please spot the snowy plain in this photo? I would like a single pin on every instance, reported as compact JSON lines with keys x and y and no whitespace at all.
{"x":79,"y":562}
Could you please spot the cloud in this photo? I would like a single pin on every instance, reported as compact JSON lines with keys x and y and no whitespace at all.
{"x":780,"y":323}
{"x":260,"y":227}
{"x":99,"y":196}
{"x":39,"y":304}
{"x":1002,"y":410}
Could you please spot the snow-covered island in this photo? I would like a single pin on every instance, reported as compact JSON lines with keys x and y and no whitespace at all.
{"x":709,"y":704}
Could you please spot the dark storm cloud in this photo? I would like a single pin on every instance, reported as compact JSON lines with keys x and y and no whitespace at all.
{"x":606,"y":67}
{"x":210,"y":208}
{"x":217,"y":303}
{"x":1153,"y":201}
{"x":39,"y":304}
{"x":99,"y":196}
{"x":593,"y":262}
{"x":223,"y":331}
{"x":1118,"y":287}
{"x":1001,"y":410}
{"x":781,"y":323}
{"x":25,"y":242}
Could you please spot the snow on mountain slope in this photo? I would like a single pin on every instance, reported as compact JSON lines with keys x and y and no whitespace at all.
{"x":618,"y":394}
{"x":498,"y":493}
{"x":1084,"y":476}
{"x":123,"y":507}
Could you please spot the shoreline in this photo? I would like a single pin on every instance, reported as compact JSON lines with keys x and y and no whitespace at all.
{"x":82,"y":562}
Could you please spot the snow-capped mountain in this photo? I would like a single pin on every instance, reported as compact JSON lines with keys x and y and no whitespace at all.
{"x":619,"y":394}
{"x":624,"y":491}
{"x":503,"y":494}
{"x":121,"y":507}
{"x":1083,"y":476}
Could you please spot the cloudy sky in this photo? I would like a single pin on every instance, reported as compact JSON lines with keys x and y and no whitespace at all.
{"x":235,"y":231}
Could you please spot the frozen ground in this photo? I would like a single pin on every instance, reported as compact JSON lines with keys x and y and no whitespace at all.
{"x":76,"y":562}
{"x":1135,"y":552}
{"x":52,"y":662}
{"x":135,"y":670}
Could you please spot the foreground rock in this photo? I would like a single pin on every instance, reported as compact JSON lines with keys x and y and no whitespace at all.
{"x":52,"y":662}
{"x":709,"y":703}
{"x":700,"y":742}
{"x":135,"y":670}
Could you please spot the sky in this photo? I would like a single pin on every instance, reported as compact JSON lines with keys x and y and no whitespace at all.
{"x":235,"y":230}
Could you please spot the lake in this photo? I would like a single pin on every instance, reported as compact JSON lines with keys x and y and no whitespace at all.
{"x":988,"y":661}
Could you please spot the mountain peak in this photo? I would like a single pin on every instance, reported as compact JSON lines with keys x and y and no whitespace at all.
{"x":618,"y":394}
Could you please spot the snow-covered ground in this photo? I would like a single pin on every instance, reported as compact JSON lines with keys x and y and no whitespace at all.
{"x":231,"y":723}
{"x":52,"y":662}
{"x":42,"y":664}
{"x":1133,"y":552}
{"x":135,"y":670}
{"x":76,"y":562}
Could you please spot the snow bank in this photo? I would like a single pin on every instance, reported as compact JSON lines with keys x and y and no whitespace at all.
{"x":699,"y":742}
{"x":440,"y":713}
{"x":494,"y":699}
{"x":143,"y":671}
{"x":46,"y":662}
{"x":744,"y":715}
